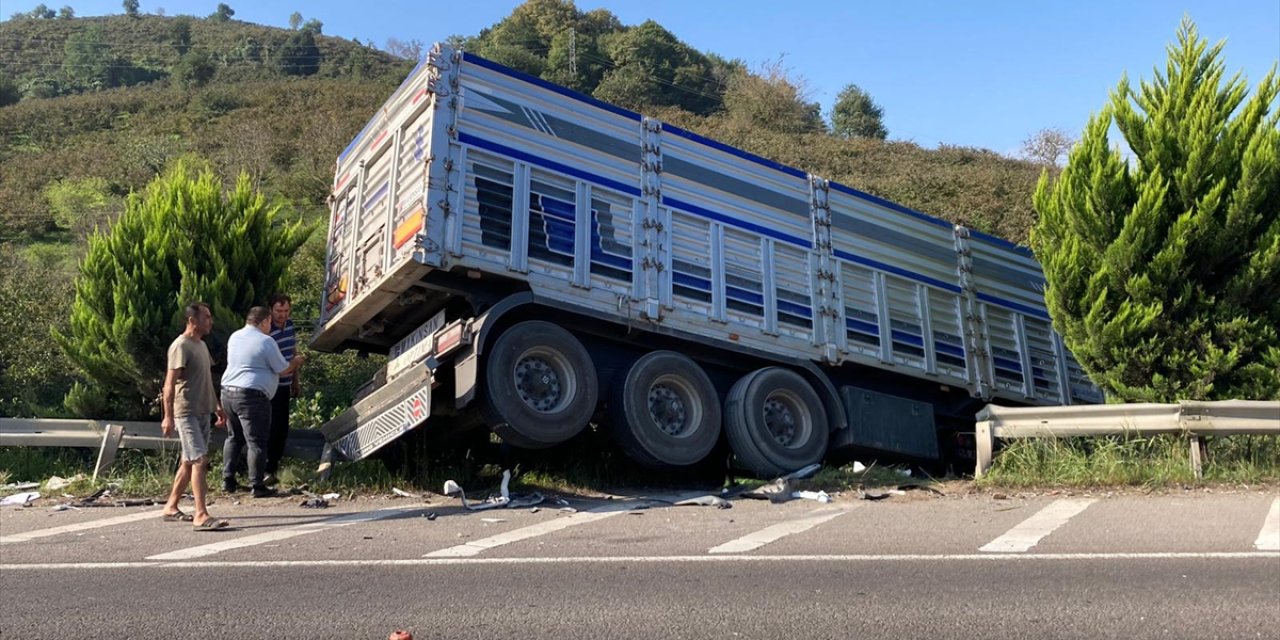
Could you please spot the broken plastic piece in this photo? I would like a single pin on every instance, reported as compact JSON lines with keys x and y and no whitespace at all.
{"x":405,"y":494}
{"x":315,"y":503}
{"x":705,"y":501}
{"x":820,"y":496}
{"x":20,"y":499}
{"x":331,"y":496}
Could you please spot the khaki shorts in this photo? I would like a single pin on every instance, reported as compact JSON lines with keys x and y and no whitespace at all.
{"x":194,"y":433}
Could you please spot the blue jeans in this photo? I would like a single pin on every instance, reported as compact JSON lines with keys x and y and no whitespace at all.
{"x":249,"y":417}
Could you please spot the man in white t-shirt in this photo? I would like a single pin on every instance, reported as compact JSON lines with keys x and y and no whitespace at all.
{"x":254,"y":367}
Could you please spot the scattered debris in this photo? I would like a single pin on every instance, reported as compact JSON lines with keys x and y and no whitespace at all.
{"x":820,"y":496}
{"x":138,"y":502}
{"x":431,"y":515}
{"x":562,"y":502}
{"x":20,"y":499}
{"x":705,"y":501}
{"x":505,"y":499}
{"x":55,"y":483}
{"x":331,"y":496}
{"x":568,"y":510}
{"x":19,"y":486}
{"x":922,"y":487}
{"x":533,"y":510}
{"x":858,"y":467}
{"x":493,"y":520}
{"x":405,"y":494}
{"x":315,"y":503}
{"x":777,"y":492}
{"x":63,"y":507}
{"x":864,"y":495}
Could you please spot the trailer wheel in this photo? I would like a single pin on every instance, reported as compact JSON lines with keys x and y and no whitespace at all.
{"x":540,"y":385}
{"x":665,"y":411}
{"x":775,"y":422}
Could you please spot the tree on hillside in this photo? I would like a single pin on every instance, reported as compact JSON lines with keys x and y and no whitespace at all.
{"x":314,"y":26}
{"x":1163,"y":271}
{"x":130,"y":8}
{"x":41,"y":12}
{"x":66,"y":13}
{"x":409,"y":50}
{"x":180,"y":34}
{"x":223,"y":13}
{"x":295,"y":20}
{"x":770,"y":100}
{"x":9,"y":91}
{"x":87,"y":61}
{"x":651,"y":67}
{"x":183,"y":239}
{"x":1048,"y":147}
{"x":856,"y":115}
{"x":194,"y":69}
{"x":299,"y":56}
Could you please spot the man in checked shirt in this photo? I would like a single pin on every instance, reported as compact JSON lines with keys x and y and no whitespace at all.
{"x":290,"y":386}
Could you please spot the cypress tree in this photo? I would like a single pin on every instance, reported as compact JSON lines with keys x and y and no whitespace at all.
{"x":183,"y":239}
{"x":1163,"y":270}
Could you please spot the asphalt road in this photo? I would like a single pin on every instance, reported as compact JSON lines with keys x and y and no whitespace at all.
{"x":1174,"y":566}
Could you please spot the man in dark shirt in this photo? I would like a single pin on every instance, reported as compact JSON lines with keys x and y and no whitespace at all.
{"x":282,"y":332}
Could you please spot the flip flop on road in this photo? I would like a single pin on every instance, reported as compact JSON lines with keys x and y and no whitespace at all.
{"x":212,"y":524}
{"x":178,"y":516}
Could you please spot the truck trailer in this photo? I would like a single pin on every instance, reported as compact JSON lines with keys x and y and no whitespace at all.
{"x":533,"y":260}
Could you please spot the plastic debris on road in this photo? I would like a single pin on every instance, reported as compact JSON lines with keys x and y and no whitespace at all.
{"x":705,"y":501}
{"x":820,"y":496}
{"x":20,"y":499}
{"x":504,"y":499}
{"x":404,"y":494}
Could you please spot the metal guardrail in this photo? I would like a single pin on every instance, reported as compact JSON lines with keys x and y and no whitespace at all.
{"x":92,"y":434}
{"x":1190,"y":418}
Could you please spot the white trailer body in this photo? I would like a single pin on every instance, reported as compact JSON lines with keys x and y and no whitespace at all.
{"x":490,"y":176}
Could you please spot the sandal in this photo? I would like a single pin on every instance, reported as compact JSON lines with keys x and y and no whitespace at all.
{"x":178,"y":516}
{"x":212,"y":524}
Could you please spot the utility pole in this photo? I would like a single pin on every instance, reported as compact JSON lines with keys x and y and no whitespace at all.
{"x":573,"y":51}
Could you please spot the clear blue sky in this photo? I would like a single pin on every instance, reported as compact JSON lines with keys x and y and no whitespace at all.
{"x":979,"y":73}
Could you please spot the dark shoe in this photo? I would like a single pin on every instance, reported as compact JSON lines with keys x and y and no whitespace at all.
{"x":271,"y":480}
{"x":264,"y":492}
{"x":231,"y":486}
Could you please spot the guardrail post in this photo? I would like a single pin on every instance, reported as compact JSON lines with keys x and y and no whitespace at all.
{"x":1197,"y":450}
{"x":984,"y":437}
{"x":110,"y":444}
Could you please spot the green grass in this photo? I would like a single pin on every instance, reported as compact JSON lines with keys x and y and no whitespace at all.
{"x":590,"y":466}
{"x":1163,"y":461}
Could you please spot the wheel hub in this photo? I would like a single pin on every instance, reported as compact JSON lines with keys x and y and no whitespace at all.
{"x":780,"y":420}
{"x":538,"y":383}
{"x":667,"y":409}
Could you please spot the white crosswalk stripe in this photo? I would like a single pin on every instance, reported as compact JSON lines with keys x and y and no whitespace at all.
{"x":1269,"y":537}
{"x":1031,"y":531}
{"x":281,"y":534}
{"x":476,"y":547}
{"x":758,"y":539}
{"x":80,"y":526}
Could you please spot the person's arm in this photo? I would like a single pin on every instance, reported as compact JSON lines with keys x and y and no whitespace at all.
{"x":166,"y":400}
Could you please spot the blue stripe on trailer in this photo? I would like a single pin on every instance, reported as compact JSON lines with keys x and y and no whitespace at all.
{"x":949,"y":349}
{"x":466,"y":138}
{"x":864,"y":327}
{"x":889,"y":205}
{"x":795,"y":309}
{"x":568,"y":93}
{"x":876,"y":264}
{"x":1032,"y":311}
{"x":741,"y":224}
{"x":733,"y":151}
{"x":1001,"y":242}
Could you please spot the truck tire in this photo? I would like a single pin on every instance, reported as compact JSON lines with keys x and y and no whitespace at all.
{"x":540,"y":385}
{"x":775,"y":422}
{"x":665,"y":412}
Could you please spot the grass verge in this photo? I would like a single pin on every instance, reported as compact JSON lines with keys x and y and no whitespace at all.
{"x":1161,"y":461}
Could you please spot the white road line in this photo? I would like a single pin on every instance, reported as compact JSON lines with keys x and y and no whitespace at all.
{"x":1269,"y":537}
{"x":753,"y":541}
{"x":81,"y":526}
{"x":476,"y":547}
{"x":1030,"y":531}
{"x":433,"y":562}
{"x":281,"y":534}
